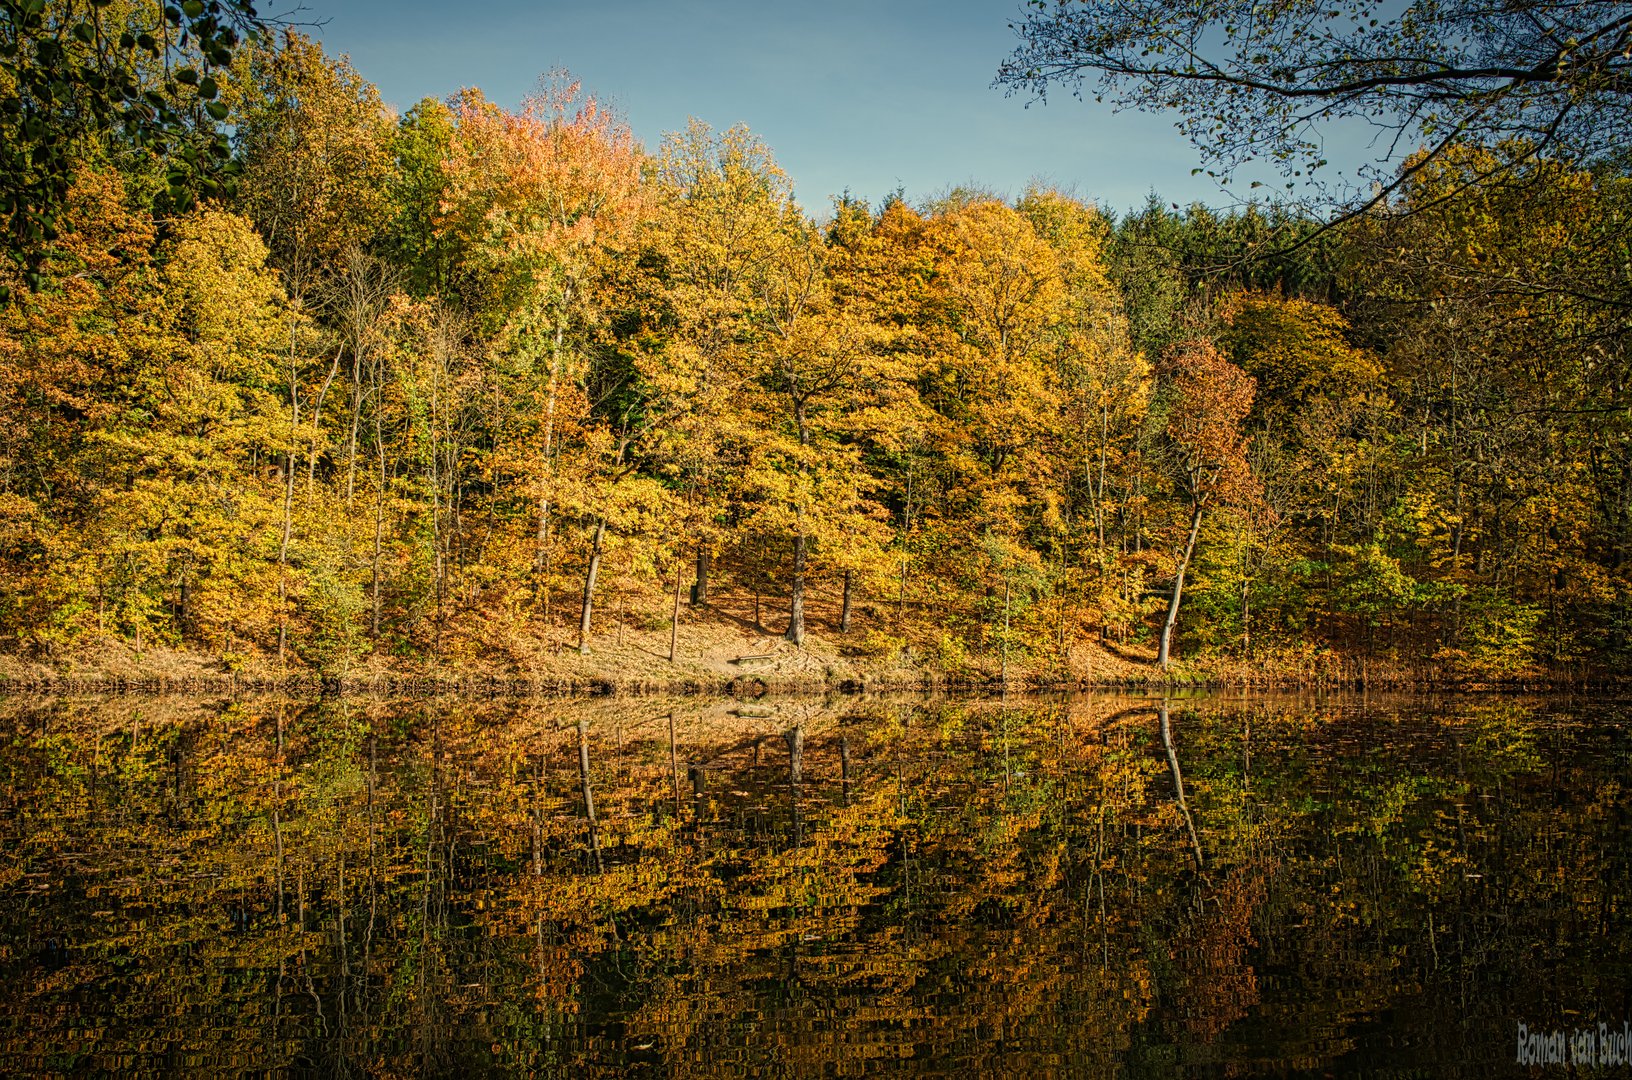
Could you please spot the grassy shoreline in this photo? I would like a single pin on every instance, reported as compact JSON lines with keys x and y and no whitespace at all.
{"x":818,"y":668}
{"x":726,"y":647}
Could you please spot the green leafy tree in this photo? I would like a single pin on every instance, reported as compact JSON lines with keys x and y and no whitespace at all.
{"x":83,"y":77}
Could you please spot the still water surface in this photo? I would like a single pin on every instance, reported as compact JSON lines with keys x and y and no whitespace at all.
{"x":1383,"y":886}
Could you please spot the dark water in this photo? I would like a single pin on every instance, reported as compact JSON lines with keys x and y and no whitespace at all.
{"x":851,"y":887}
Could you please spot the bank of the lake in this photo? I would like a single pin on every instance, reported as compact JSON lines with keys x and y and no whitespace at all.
{"x":719,"y":650}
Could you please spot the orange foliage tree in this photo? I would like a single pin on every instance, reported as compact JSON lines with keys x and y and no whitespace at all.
{"x":1206,"y":450}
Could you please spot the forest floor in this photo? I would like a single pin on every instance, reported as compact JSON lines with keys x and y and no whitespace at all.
{"x":730,"y":643}
{"x":725,"y":645}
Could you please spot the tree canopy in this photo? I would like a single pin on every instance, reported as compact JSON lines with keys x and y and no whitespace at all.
{"x":95,"y":76}
{"x":457,"y":389}
{"x":1271,"y":83}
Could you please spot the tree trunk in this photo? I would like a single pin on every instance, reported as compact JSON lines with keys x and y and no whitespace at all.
{"x":1178,"y":785}
{"x":796,"y":601}
{"x":796,"y":766}
{"x":1178,"y":586}
{"x":356,"y":422}
{"x":1246,"y":618}
{"x":317,"y":420}
{"x":1003,"y":676}
{"x":538,"y":818}
{"x":844,"y":610}
{"x":1099,"y":488}
{"x":699,"y":588}
{"x":906,"y":531}
{"x":288,"y":525}
{"x":796,"y":605}
{"x":550,"y":392}
{"x":796,"y":753}
{"x":674,"y":616}
{"x":901,"y":595}
{"x":589,"y":796}
{"x":594,"y":571}
{"x":379,"y":528}
{"x":674,"y":764}
{"x":438,"y":539}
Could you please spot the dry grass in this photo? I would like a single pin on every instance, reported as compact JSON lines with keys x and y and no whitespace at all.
{"x":720,"y":647}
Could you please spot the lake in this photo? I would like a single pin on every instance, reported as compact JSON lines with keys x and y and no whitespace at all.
{"x":1076,"y":886}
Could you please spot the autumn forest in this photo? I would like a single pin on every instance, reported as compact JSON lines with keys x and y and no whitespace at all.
{"x":471,"y":386}
{"x":485,"y":593}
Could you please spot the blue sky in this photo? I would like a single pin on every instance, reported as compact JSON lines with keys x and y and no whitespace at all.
{"x":849,"y":94}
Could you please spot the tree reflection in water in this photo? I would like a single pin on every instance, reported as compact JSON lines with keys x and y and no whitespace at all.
{"x":1028,"y":887}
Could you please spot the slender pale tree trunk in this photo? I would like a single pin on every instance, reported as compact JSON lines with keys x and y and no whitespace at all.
{"x":317,"y":419}
{"x":1099,"y":488}
{"x":379,"y":522}
{"x":674,"y":764}
{"x":796,"y":600}
{"x":1178,"y":585}
{"x":589,"y":795}
{"x":1246,"y":618}
{"x":674,"y":615}
{"x":1003,"y":676}
{"x":288,"y":498}
{"x":844,"y":609}
{"x":438,"y":543}
{"x":588,"y":609}
{"x":551,"y":392}
{"x":356,"y":424}
{"x":1178,"y":785}
{"x":906,"y":532}
{"x":537,"y":816}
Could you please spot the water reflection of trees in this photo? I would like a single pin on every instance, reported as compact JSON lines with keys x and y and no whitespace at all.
{"x":360,"y":887}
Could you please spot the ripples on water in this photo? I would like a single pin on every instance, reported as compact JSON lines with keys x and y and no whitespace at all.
{"x":807,"y":887}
